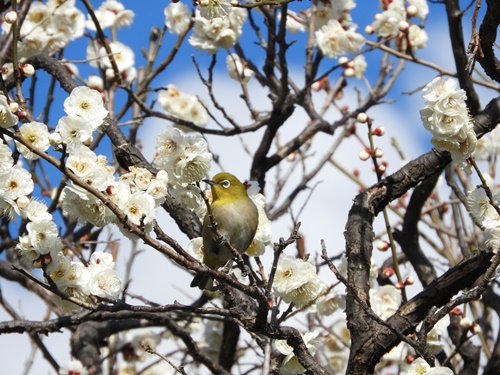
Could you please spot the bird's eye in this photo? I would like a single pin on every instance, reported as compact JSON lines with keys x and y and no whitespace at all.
{"x":225,"y":184}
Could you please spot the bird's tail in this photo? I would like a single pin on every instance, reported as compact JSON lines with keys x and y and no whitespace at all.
{"x":202,"y":281}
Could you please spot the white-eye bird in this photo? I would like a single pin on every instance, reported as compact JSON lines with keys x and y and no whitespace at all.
{"x":236,"y":218}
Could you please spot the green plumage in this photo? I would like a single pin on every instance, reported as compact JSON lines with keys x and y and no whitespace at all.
{"x":237,"y":219}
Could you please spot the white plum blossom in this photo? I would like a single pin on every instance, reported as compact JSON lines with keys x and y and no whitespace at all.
{"x":6,"y":160}
{"x":104,"y":281}
{"x":75,"y":131}
{"x":81,"y":206}
{"x":189,"y":196}
{"x":82,"y":161}
{"x":35,"y":210}
{"x":44,"y":236}
{"x":333,"y":40}
{"x":237,"y":69}
{"x":210,"y":9}
{"x":48,"y":27}
{"x":220,"y":32}
{"x":195,"y":248}
{"x":184,"y":106}
{"x":290,"y":364}
{"x":421,"y":6}
{"x":122,"y":55}
{"x":296,"y":281}
{"x":417,"y":37}
{"x":74,"y":367}
{"x":385,"y":300}
{"x":294,"y":22}
{"x":37,"y":134}
{"x":111,"y":13}
{"x":15,"y":183}
{"x":263,"y":236}
{"x":420,"y":367}
{"x":7,"y":118}
{"x":184,"y":157}
{"x":177,"y":17}
{"x":386,"y":23}
{"x":445,"y":115}
{"x":434,"y":341}
{"x":88,"y":104}
{"x":140,"y":208}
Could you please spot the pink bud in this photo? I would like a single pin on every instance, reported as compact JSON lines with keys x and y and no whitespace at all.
{"x":382,"y":168}
{"x":378,"y":153}
{"x":22,"y":114}
{"x":27,"y":69}
{"x":399,"y":285}
{"x":465,"y":323}
{"x":383,"y":245}
{"x":475,"y":329}
{"x":388,"y":272}
{"x":364,"y":154}
{"x":409,"y":280}
{"x":10,"y":17}
{"x":378,"y":131}
{"x":362,"y":117}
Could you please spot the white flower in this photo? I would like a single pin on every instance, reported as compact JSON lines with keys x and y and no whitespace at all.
{"x":15,"y":183}
{"x":333,"y":40}
{"x":478,"y":205}
{"x":386,"y":24}
{"x":296,"y":281}
{"x":7,"y":118}
{"x":37,"y":134}
{"x":103,"y":259}
{"x":6,"y":160}
{"x":195,"y":248}
{"x":104,"y":281}
{"x":237,"y":69}
{"x":210,"y":9}
{"x":73,"y":368}
{"x":294,"y":22}
{"x":360,"y":65}
{"x":418,"y":37}
{"x":88,"y":104}
{"x":81,"y":206}
{"x":177,"y":17}
{"x":35,"y":210}
{"x":111,"y":13}
{"x":82,"y":161}
{"x":74,"y":131}
{"x":189,"y":197}
{"x":139,"y":208}
{"x":434,"y":341}
{"x":327,"y":304}
{"x":44,"y":236}
{"x":422,"y":7}
{"x":385,"y":300}
{"x":290,"y":364}
{"x":421,"y":367}
{"x":184,"y":106}
{"x":122,"y":55}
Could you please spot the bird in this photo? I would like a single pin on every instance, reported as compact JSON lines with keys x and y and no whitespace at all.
{"x":232,"y":217}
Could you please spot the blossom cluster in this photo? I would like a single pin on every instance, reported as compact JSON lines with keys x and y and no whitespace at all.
{"x":445,"y":115}
{"x":111,"y":13}
{"x":485,"y":214}
{"x":395,"y":18}
{"x":184,"y":156}
{"x":186,"y":107}
{"x":48,"y":27}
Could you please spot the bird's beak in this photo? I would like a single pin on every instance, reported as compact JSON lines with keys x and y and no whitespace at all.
{"x":210,"y":182}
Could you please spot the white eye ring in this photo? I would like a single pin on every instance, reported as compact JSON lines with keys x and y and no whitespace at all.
{"x":225,"y":184}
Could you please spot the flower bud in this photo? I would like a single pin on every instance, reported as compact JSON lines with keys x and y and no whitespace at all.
{"x":355,"y":173}
{"x":410,"y":358}
{"x":22,"y":202}
{"x":55,"y":139}
{"x":349,"y":72}
{"x":22,"y":114}
{"x":403,"y":26}
{"x":364,"y":154}
{"x":378,"y":153}
{"x":362,"y":117}
{"x":410,"y":280}
{"x":343,"y":60}
{"x":27,"y":69}
{"x":25,"y":241}
{"x":378,"y":131}
{"x":475,"y":329}
{"x":388,"y":272}
{"x":10,"y":17}
{"x":412,"y":10}
{"x":14,"y":106}
{"x":162,"y":175}
{"x":465,"y":323}
{"x":292,"y":156}
{"x":383,"y":245}
{"x":399,"y":285}
{"x":369,"y":29}
{"x":317,"y":85}
{"x":382,"y":168}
